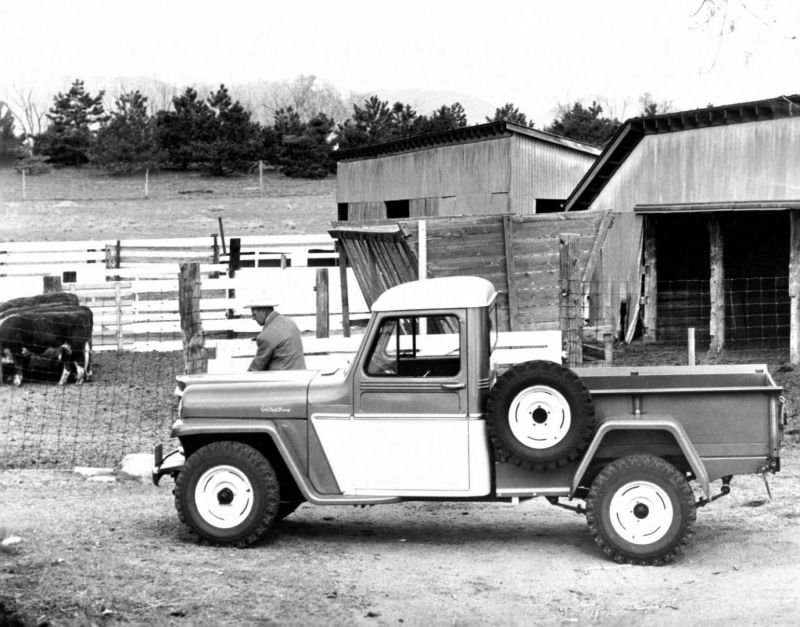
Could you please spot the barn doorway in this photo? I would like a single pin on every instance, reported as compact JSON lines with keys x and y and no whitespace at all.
{"x":756,"y":266}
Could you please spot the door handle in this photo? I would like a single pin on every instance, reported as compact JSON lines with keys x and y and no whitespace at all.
{"x":453,"y":386}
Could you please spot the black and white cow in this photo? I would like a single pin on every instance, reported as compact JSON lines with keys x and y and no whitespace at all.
{"x":65,"y":331}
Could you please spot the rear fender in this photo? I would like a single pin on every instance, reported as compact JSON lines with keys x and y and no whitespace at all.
{"x":651,"y":423}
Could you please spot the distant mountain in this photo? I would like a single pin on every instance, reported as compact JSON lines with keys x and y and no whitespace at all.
{"x":261,"y":98}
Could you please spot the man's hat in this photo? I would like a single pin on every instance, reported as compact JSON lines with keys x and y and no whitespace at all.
{"x":262,"y":299}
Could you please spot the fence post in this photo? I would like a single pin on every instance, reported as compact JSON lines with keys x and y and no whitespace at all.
{"x":691,"y":345}
{"x":717,"y":286}
{"x":261,"y":175}
{"x":608,"y":348}
{"x":234,"y":258}
{"x":118,"y":255}
{"x":343,"y":289}
{"x":650,"y":280}
{"x":511,"y":273}
{"x":147,"y":183}
{"x":794,"y":287}
{"x":118,"y":308}
{"x":195,"y":359}
{"x":570,"y":316}
{"x":24,"y":190}
{"x":323,"y":309}
{"x":52,"y":284}
{"x":215,"y":249}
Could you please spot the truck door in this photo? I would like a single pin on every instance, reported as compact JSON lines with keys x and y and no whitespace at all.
{"x":410,"y":416}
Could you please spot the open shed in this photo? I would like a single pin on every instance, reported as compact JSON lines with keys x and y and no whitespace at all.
{"x":706,"y":231}
{"x":492,"y":168}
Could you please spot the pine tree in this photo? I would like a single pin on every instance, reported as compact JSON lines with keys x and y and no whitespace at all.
{"x":584,"y":124}
{"x":233,"y":141}
{"x":307,"y":155}
{"x":74,"y":119}
{"x":128,"y":142}
{"x":509,"y":113}
{"x":445,"y":118}
{"x":183,"y":134}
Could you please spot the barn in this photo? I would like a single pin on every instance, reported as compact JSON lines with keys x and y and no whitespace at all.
{"x":706,"y":230}
{"x":492,"y":168}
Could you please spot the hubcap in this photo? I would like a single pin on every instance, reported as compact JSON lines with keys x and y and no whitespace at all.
{"x":539,"y":417}
{"x":641,"y":512}
{"x":224,"y":497}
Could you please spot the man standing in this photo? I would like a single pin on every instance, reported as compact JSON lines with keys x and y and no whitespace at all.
{"x":279,"y":343}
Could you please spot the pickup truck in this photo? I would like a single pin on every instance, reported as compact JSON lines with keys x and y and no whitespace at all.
{"x":422,"y":413}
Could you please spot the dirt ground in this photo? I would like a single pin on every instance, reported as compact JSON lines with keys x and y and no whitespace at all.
{"x":95,"y":553}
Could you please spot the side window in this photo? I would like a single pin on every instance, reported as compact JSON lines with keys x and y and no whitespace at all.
{"x":416,"y":346}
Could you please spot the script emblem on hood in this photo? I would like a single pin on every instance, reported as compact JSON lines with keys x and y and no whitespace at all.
{"x":274,"y":410}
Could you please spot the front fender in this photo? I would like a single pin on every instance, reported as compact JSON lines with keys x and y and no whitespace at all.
{"x":224,"y":428}
{"x":651,"y":423}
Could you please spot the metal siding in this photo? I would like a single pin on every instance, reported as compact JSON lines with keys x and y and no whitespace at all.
{"x":753,"y":161}
{"x":471,"y":169}
{"x":740,"y":162}
{"x":543,"y":170}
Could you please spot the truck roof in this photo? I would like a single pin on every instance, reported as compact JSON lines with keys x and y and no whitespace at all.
{"x":442,"y":293}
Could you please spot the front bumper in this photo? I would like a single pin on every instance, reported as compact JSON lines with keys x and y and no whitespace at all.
{"x":169,"y":464}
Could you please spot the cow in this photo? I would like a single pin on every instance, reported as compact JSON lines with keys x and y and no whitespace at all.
{"x":52,"y":298}
{"x":65,"y":331}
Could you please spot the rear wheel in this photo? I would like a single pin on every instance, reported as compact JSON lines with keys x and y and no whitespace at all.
{"x":640,"y":510}
{"x":228,"y":493}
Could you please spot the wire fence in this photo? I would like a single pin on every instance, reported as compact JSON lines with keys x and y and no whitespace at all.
{"x":123,"y":405}
{"x":126,"y":405}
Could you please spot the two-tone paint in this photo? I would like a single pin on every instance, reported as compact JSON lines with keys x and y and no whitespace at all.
{"x":348,"y":437}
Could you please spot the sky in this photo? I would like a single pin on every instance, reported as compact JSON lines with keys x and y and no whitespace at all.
{"x":537,"y":54}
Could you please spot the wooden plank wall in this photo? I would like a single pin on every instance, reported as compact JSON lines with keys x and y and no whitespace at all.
{"x":477,"y":246}
{"x":380,"y":257}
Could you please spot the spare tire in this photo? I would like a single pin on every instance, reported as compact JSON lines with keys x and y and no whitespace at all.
{"x":539,"y":415}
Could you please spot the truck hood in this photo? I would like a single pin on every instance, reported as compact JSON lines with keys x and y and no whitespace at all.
{"x":276,"y":394}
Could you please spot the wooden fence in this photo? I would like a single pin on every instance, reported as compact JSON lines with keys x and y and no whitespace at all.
{"x":132,"y":286}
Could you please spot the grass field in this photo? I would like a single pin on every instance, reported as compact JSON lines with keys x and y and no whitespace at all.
{"x":83,"y":203}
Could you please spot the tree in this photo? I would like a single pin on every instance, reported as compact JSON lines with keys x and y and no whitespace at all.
{"x":128,"y":142}
{"x":10,"y":144}
{"x":404,"y":120}
{"x":509,"y":113}
{"x":308,"y":155}
{"x":74,"y":118}
{"x":371,"y":124}
{"x":584,"y":124}
{"x":232,"y":143}
{"x":287,"y":124}
{"x":305,"y":96}
{"x":184,"y":133}
{"x":650,"y":107}
{"x":445,"y":118}
{"x":25,"y":108}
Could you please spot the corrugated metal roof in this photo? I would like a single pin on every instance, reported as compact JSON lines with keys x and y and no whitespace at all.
{"x":460,"y":136}
{"x":633,"y":130}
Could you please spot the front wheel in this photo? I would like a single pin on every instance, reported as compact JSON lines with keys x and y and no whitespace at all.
{"x":640,"y":510}
{"x":228,"y":494}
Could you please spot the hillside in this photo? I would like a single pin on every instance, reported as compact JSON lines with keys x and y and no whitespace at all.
{"x":77,"y":204}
